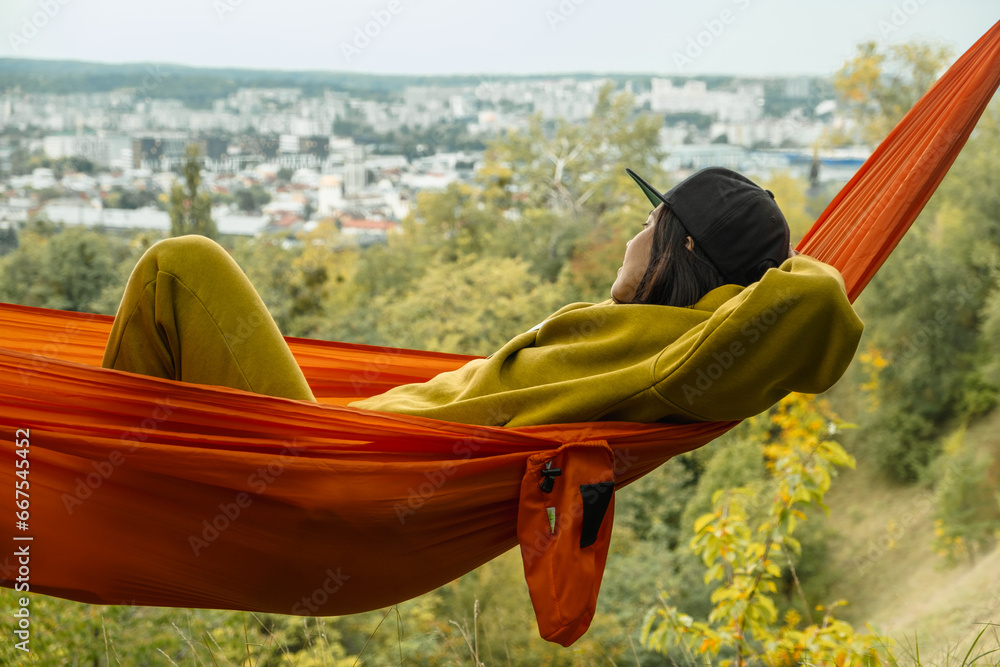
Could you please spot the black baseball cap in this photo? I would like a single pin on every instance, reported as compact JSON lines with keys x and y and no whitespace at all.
{"x":735,"y":222}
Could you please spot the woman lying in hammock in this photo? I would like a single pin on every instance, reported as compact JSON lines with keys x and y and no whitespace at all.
{"x":698,"y":327}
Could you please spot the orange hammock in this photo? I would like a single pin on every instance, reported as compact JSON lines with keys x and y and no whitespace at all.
{"x":152,"y":492}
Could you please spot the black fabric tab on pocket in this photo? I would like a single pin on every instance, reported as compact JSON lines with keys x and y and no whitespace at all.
{"x":596,"y":498}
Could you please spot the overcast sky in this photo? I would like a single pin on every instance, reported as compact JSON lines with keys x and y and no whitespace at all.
{"x":743,"y":37}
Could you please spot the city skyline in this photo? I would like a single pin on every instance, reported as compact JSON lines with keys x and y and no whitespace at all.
{"x":442,"y":37}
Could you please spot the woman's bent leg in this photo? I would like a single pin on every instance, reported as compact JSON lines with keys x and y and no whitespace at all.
{"x":189,"y":313}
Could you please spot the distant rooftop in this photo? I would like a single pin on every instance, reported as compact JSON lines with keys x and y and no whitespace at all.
{"x":146,"y":218}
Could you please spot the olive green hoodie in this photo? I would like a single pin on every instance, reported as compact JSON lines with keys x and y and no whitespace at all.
{"x":730,"y":356}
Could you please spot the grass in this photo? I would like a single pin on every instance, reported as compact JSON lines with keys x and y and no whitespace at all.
{"x":886,"y":566}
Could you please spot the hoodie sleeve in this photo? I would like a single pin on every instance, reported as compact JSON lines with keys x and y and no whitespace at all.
{"x":795,"y":330}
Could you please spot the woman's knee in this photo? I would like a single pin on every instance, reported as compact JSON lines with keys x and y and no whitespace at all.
{"x":192,"y":251}
{"x":188,"y":245}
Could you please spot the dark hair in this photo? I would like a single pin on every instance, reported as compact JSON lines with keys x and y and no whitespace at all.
{"x":675,"y":276}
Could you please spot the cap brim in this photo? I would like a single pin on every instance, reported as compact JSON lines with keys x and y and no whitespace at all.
{"x":655,"y":198}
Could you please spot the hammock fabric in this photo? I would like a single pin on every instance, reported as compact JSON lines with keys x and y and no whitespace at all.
{"x":146,"y":491}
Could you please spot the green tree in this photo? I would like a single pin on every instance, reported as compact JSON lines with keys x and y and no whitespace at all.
{"x":966,"y":508}
{"x":934,"y":314}
{"x":251,"y":199}
{"x":878,"y":86}
{"x":561,"y":189}
{"x":61,"y":268}
{"x":308,"y":287}
{"x":473,"y":306}
{"x":8,"y":240}
{"x":80,"y":164}
{"x":191,"y":209}
{"x":743,"y":541}
{"x":119,"y":197}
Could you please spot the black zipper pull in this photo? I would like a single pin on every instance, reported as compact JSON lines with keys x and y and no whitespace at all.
{"x":549,"y":473}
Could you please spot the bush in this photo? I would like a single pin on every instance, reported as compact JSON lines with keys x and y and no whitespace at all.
{"x":967,"y":514}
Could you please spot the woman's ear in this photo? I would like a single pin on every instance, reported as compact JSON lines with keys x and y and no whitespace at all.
{"x":689,"y":244}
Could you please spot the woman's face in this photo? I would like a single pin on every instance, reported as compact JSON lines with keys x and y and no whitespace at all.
{"x":637,"y":252}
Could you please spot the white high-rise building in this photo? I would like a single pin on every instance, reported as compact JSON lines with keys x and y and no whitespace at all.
{"x":354,"y":170}
{"x":330,"y":194}
{"x":744,"y":105}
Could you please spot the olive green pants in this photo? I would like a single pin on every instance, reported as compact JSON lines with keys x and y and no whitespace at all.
{"x":189,"y":313}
